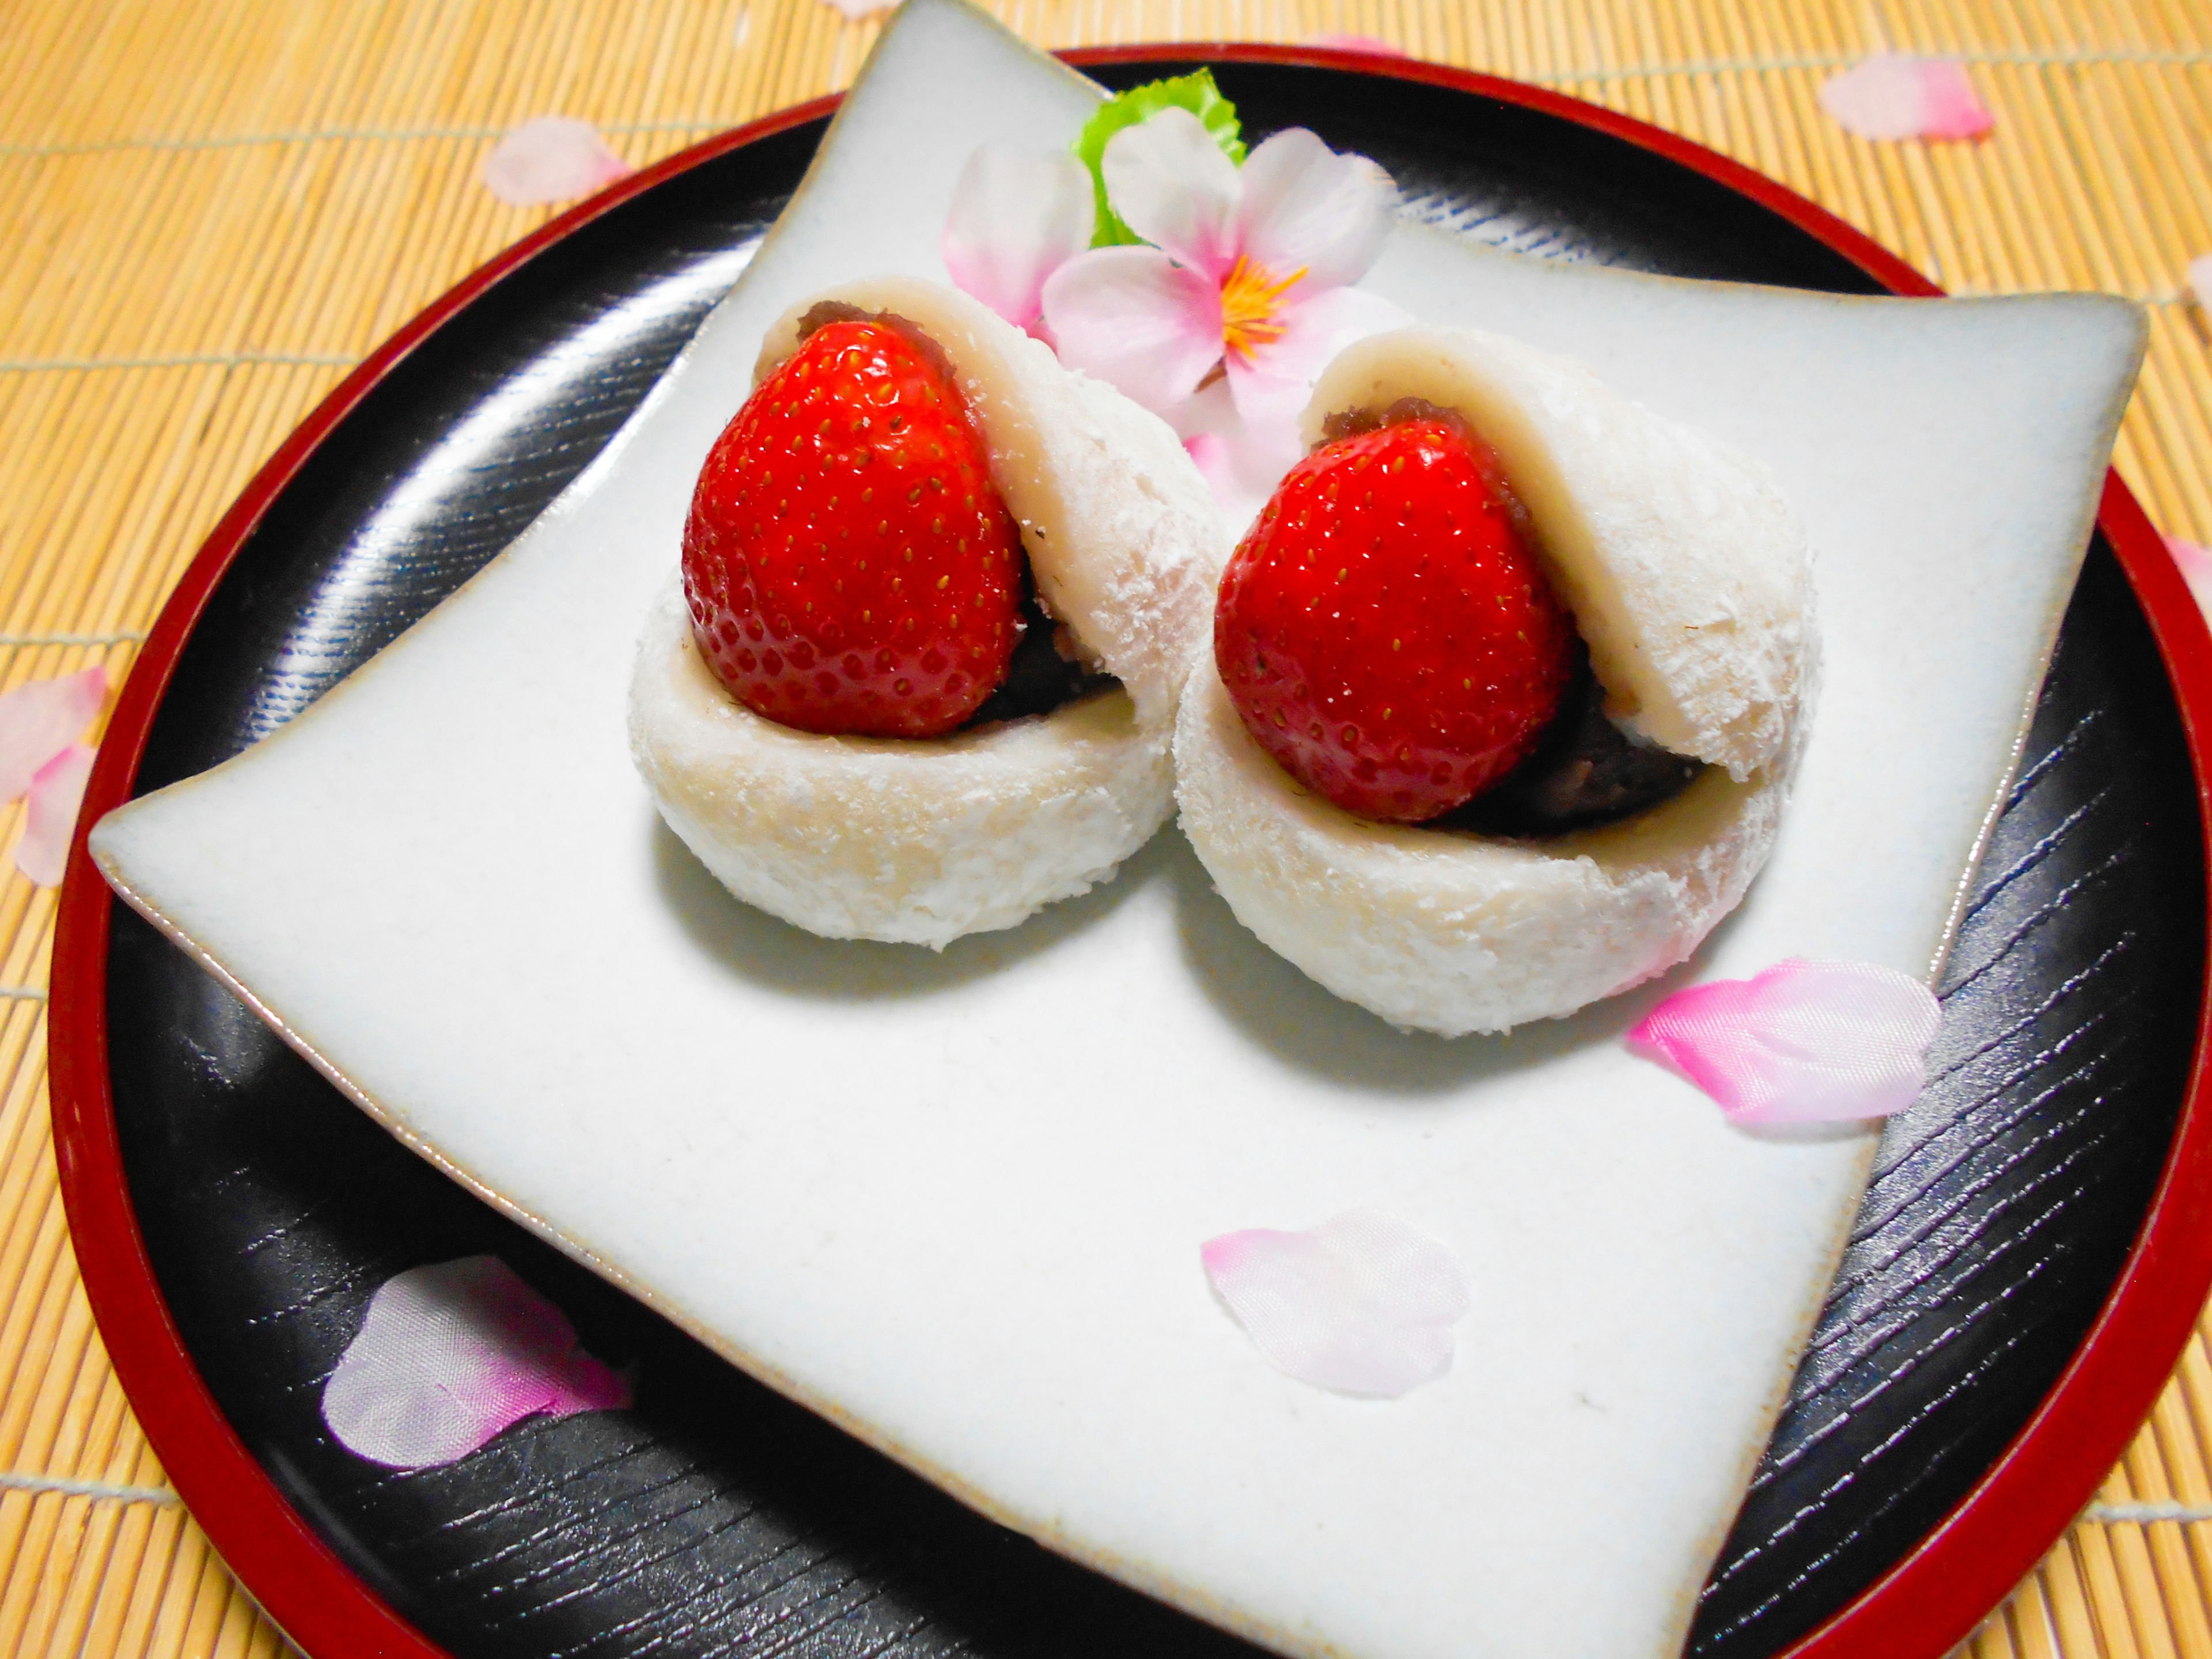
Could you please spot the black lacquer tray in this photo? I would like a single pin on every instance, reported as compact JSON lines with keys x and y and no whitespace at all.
{"x":715,"y":1517}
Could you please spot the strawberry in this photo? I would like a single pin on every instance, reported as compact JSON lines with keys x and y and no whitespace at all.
{"x":848,"y":565}
{"x":1383,"y":628}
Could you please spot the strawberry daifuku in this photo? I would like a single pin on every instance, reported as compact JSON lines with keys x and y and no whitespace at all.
{"x":1385,"y":630}
{"x":848,"y":565}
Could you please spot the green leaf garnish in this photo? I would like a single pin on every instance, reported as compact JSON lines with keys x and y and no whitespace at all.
{"x":1195,"y":92}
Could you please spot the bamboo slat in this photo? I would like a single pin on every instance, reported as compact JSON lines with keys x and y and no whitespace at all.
{"x":146,"y":368}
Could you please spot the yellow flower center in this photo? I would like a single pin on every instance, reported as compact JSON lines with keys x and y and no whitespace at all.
{"x":1251,"y":306}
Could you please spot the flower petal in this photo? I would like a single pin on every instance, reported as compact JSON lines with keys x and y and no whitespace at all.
{"x":448,"y":1356}
{"x":1802,"y":1042}
{"x":2195,"y":563}
{"x":1306,"y":208}
{"x":550,"y":159}
{"x":1363,"y":1304}
{"x":1273,"y":384}
{"x":1169,"y":180}
{"x":1018,"y":215}
{"x":1132,"y":317}
{"x":1895,"y":94}
{"x":40,"y":719}
{"x":1367,"y":43}
{"x":1241,"y":461}
{"x":57,"y":791}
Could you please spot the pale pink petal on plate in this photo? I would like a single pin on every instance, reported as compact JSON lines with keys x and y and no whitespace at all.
{"x":1363,"y":1304}
{"x":450,"y":1355}
{"x":551,"y":159}
{"x":2195,"y":563}
{"x":41,"y":719}
{"x":1169,"y":180}
{"x":1308,"y":208}
{"x":1133,"y":317}
{"x":856,"y":10}
{"x":1359,"y":43}
{"x":57,"y":791}
{"x":1896,"y":95}
{"x":1802,"y":1042}
{"x":1018,"y":215}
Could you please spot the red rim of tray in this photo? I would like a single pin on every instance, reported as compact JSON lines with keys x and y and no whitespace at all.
{"x":1925,"y":1604}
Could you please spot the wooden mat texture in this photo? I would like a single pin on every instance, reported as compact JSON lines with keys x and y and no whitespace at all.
{"x":210,"y":211}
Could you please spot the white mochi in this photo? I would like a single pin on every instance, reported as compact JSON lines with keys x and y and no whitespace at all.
{"x":921,"y":841}
{"x":1689,"y":580}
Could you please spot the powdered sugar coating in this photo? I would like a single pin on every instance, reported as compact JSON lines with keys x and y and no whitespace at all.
{"x":1446,"y":931}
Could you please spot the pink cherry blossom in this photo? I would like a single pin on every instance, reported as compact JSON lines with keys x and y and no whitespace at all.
{"x":1895,"y":94}
{"x":57,"y":791}
{"x":1017,"y":217}
{"x":1802,"y":1042}
{"x":551,"y":159}
{"x":40,"y":719}
{"x":1362,"y":1304}
{"x":450,"y":1355}
{"x":1250,"y":269}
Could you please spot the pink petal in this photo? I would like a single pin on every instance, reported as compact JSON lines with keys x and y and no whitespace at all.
{"x":2195,"y":563}
{"x":1954,"y":110}
{"x":550,"y":159}
{"x":1306,"y":208}
{"x":1895,"y":95}
{"x":856,"y":10}
{"x":1363,"y":1304}
{"x":450,"y":1355}
{"x":1132,"y":317}
{"x":1359,"y":43}
{"x":1241,"y":461}
{"x":1802,"y":1042}
{"x":57,"y":791}
{"x":1017,"y":217}
{"x":40,"y":719}
{"x":1275,"y":383}
{"x":1169,"y":180}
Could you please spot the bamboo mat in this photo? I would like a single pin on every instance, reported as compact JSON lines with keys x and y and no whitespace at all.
{"x":209,"y":212}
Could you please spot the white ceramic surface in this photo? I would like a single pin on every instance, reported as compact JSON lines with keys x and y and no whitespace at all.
{"x":956,"y":1200}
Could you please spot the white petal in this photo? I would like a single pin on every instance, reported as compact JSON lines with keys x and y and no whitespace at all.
{"x":551,"y":159}
{"x":1802,"y":1042}
{"x":1363,"y":1304}
{"x":449,"y":1355}
{"x":1018,"y":215}
{"x":1172,"y":186}
{"x":1273,"y":385}
{"x":40,"y":719}
{"x":57,"y":791}
{"x":1306,"y":208}
{"x":1131,"y":317}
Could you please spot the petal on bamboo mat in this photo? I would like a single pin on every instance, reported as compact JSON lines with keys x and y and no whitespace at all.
{"x":1895,"y":94}
{"x":57,"y":791}
{"x":40,"y":720}
{"x":551,"y":159}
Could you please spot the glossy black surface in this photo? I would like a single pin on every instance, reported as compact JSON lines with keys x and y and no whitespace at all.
{"x":713,"y":1517}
